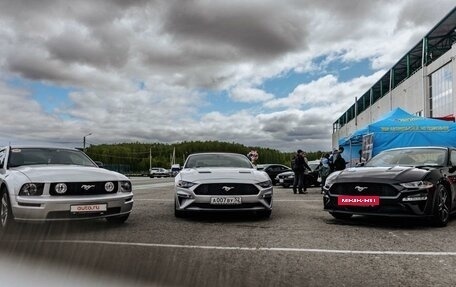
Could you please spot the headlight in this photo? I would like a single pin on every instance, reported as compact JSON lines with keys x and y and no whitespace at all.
{"x":265,"y":184}
{"x":30,"y":189}
{"x":185,"y":184}
{"x":417,"y":185}
{"x":125,"y":186}
{"x":331,"y":179}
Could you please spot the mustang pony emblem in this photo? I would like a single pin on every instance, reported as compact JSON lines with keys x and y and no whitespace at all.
{"x":360,"y":188}
{"x":87,"y":187}
{"x":227,"y":188}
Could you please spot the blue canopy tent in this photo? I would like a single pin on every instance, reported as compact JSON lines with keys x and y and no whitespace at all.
{"x":401,"y":129}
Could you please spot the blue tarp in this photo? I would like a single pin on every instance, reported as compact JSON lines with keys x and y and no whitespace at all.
{"x":401,"y":129}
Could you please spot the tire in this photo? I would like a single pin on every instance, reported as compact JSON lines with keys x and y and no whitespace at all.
{"x":442,"y":206}
{"x":6,"y":214}
{"x":338,"y":215}
{"x":120,"y":219}
{"x":286,"y":185}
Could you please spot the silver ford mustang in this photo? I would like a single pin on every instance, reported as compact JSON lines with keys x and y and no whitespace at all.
{"x":222,"y":182}
{"x":49,"y":184}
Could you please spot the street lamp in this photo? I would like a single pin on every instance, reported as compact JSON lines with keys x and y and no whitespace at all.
{"x":84,"y":142}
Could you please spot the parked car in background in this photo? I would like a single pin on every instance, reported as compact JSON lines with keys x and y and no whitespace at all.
{"x":159,"y":172}
{"x":407,"y":182}
{"x":286,"y":179}
{"x":273,"y":170}
{"x":54,"y":184}
{"x":221,"y":182}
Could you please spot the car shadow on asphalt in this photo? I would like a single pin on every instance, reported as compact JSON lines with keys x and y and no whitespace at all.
{"x":228,"y":217}
{"x":386,"y":222}
{"x":48,"y":230}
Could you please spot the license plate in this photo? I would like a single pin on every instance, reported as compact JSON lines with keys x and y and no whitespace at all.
{"x":281,"y":180}
{"x":345,"y":200}
{"x":88,"y":208}
{"x":226,"y":200}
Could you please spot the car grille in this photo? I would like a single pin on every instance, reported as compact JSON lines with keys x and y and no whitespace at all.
{"x":226,"y":189}
{"x":372,"y":189}
{"x":237,"y":206}
{"x":84,"y":188}
{"x":68,"y":214}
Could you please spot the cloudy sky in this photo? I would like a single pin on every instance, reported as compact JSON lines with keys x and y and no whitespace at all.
{"x":264,"y":73}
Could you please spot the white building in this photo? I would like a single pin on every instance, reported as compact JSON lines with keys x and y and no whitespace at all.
{"x":422,"y":82}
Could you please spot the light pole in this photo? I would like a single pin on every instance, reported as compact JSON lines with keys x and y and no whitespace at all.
{"x":84,"y":142}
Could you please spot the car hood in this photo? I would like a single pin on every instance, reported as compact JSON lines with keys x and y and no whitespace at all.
{"x":286,"y":173}
{"x":68,"y":173}
{"x":218,"y":174}
{"x":369,"y":174}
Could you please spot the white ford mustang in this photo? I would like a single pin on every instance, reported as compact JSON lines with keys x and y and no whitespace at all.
{"x":222,"y":182}
{"x":49,"y":184}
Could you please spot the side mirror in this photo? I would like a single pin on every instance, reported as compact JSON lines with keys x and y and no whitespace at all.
{"x":100,"y":164}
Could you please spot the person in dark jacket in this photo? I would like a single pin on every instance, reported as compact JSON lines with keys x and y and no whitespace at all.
{"x":339,"y":162}
{"x":299,"y":166}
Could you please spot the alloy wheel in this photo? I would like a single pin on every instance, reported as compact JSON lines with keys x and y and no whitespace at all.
{"x":443,"y":208}
{"x":4,"y":210}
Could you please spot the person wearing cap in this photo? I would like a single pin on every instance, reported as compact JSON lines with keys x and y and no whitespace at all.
{"x":299,"y":166}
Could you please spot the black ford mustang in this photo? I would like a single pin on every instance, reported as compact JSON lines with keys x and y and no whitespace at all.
{"x":413,"y":181}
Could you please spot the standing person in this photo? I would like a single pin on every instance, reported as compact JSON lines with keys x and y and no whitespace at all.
{"x":339,"y":162}
{"x":299,"y":165}
{"x":253,"y":156}
{"x":324,"y":169}
{"x":307,"y":169}
{"x":331,"y":159}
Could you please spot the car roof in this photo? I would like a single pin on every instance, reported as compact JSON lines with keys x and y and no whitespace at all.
{"x":41,"y":146}
{"x":418,"y":147}
{"x":208,"y":153}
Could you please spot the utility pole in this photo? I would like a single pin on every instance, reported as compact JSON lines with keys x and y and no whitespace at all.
{"x":84,"y":142}
{"x":150,"y":159}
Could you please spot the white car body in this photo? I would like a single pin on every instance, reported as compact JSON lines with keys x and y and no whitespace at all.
{"x":85,"y":197}
{"x":220,"y":187}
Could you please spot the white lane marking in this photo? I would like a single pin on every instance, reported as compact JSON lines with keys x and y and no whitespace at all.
{"x":275,"y":200}
{"x":368,"y":252}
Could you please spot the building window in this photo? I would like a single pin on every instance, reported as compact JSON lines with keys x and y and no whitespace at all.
{"x":441,"y":92}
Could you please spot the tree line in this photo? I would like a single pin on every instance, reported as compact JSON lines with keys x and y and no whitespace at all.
{"x":137,"y":157}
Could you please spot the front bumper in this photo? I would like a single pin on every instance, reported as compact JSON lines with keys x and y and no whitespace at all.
{"x":389,"y":206}
{"x":52,"y":208}
{"x":187,"y":200}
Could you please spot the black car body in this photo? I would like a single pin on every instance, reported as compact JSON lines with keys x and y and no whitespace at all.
{"x":273,"y":170}
{"x":286,"y":179}
{"x":406,"y":182}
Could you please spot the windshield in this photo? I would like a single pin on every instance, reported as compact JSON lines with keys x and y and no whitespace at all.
{"x":34,"y":156}
{"x":217,"y":160}
{"x":410,"y":157}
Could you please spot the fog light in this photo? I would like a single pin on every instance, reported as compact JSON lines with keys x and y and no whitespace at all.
{"x":60,"y":188}
{"x":109,"y":186}
{"x":416,"y":197}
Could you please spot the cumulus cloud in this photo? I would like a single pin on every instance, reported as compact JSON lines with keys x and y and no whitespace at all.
{"x":148,"y":70}
{"x":249,"y":95}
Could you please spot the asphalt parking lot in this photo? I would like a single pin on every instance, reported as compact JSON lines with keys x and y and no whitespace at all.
{"x":300,"y":245}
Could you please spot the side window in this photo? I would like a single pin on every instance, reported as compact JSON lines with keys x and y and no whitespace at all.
{"x":2,"y":157}
{"x":453,"y":157}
